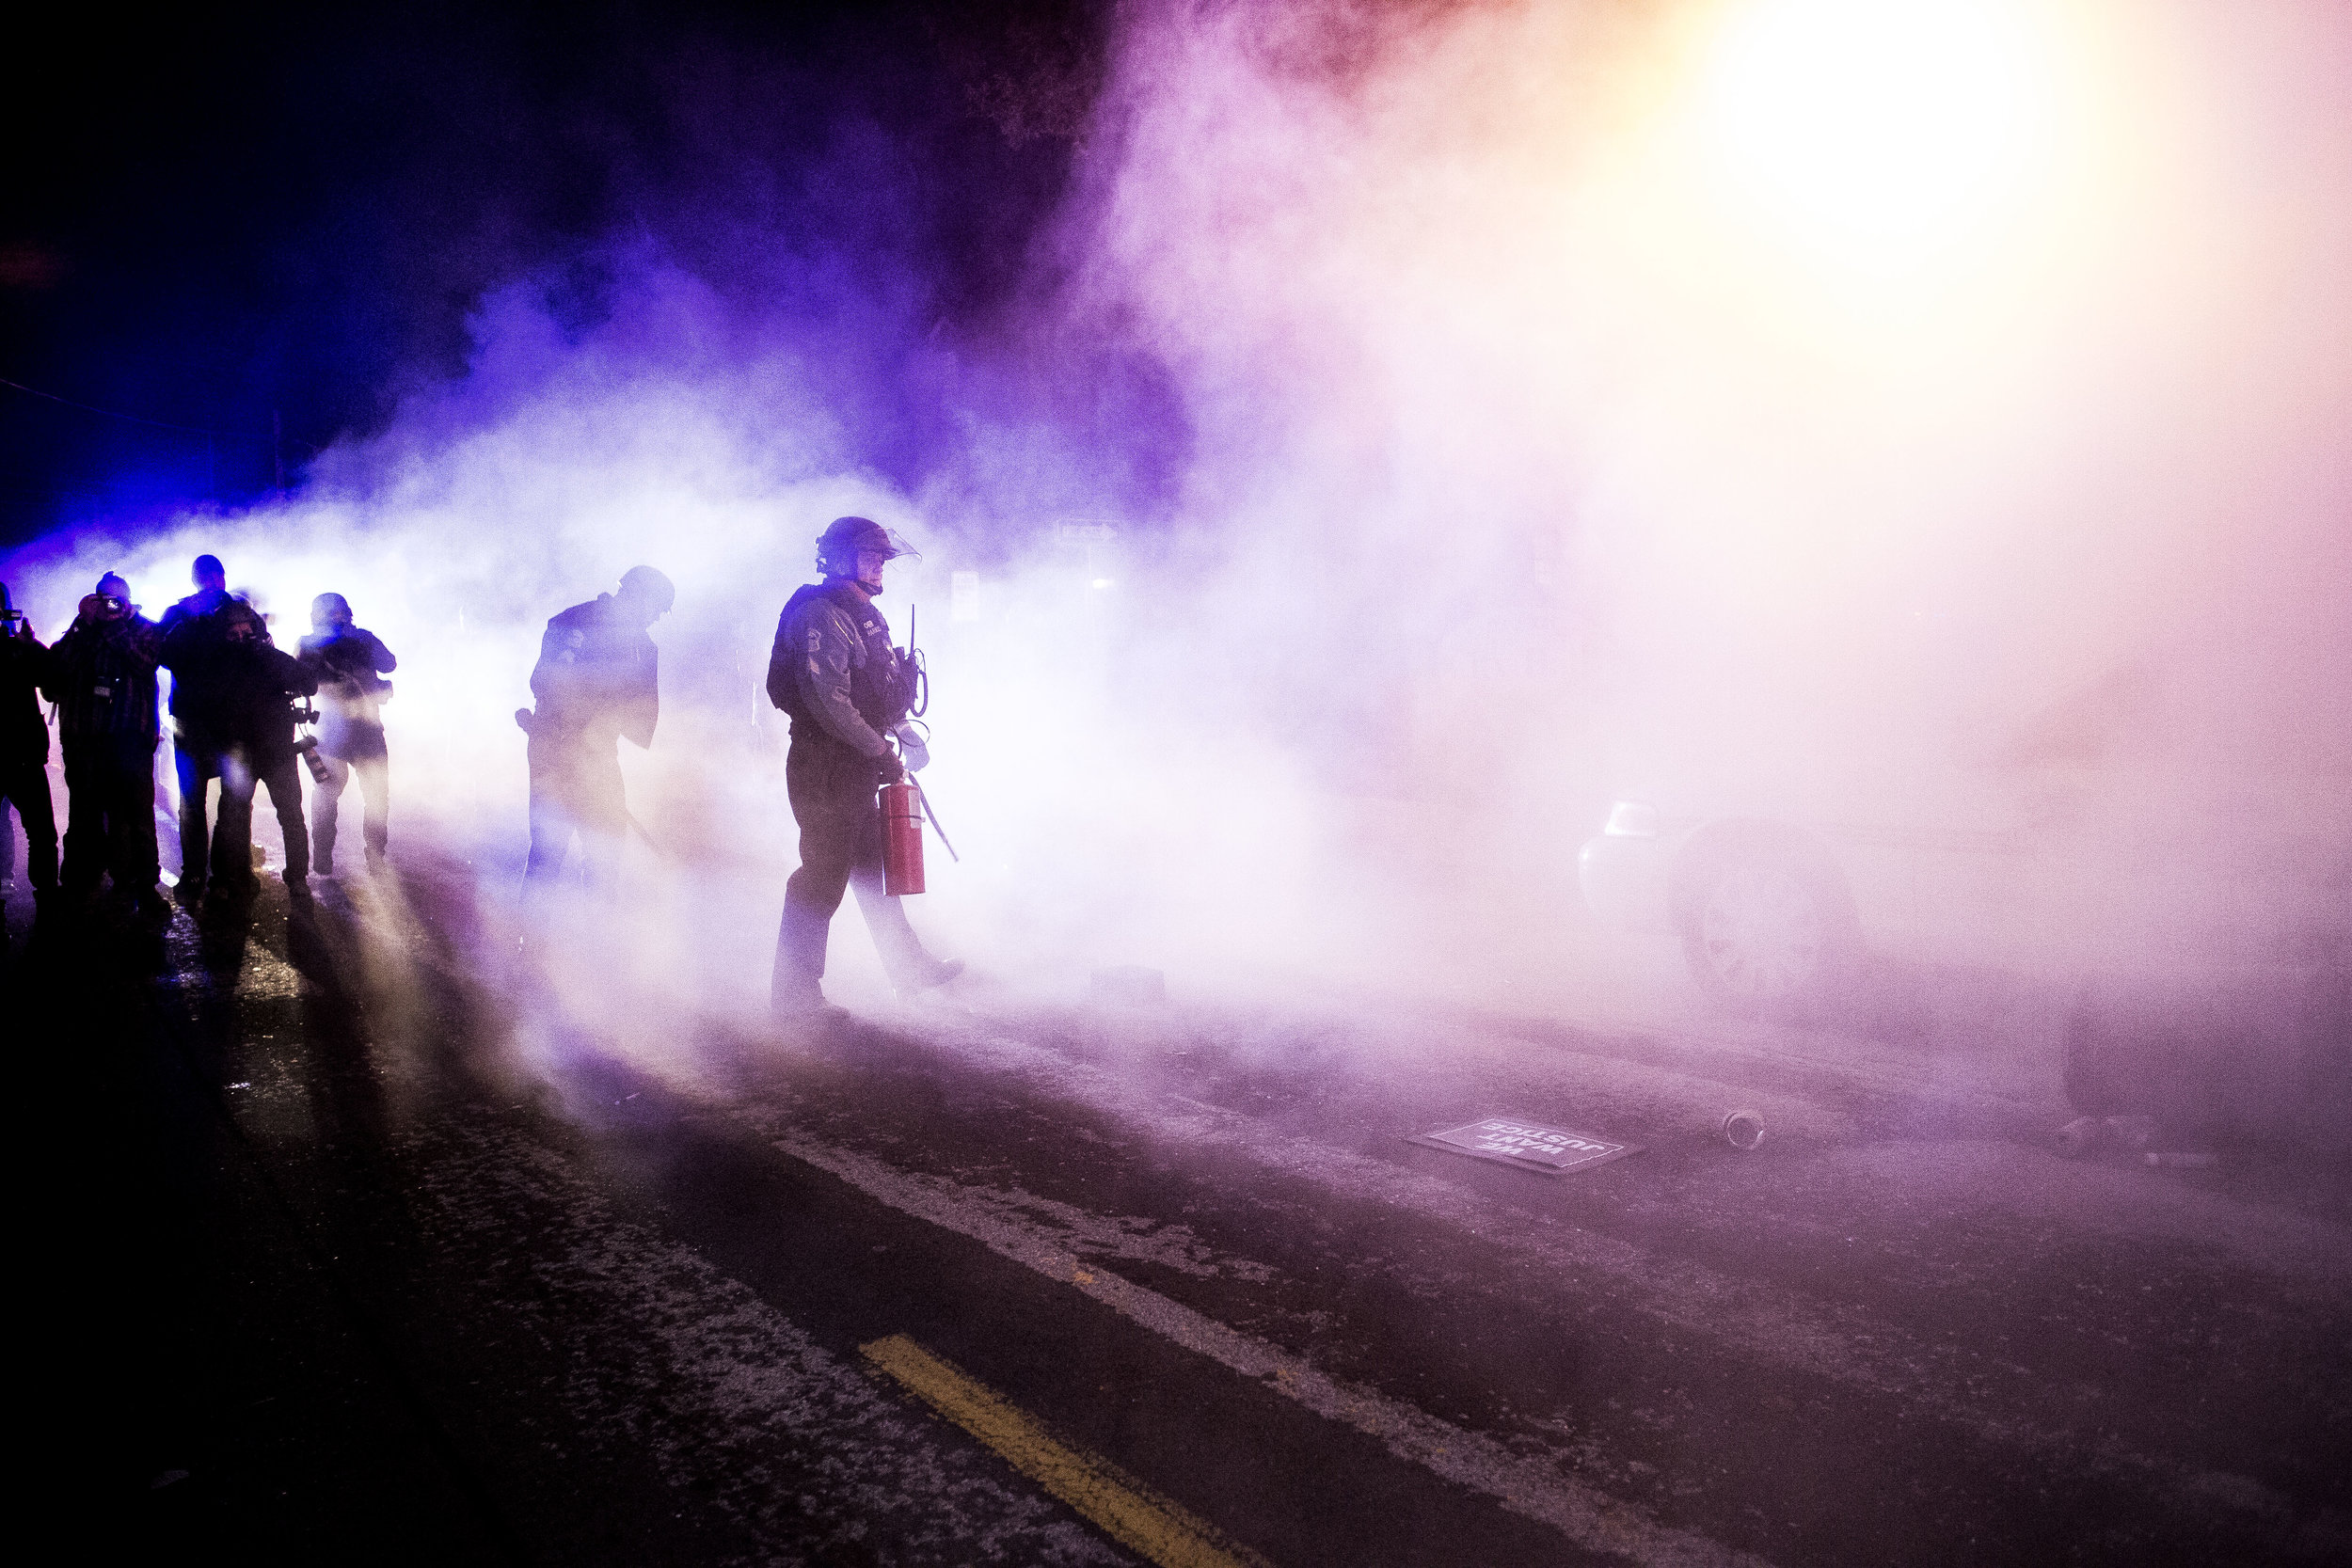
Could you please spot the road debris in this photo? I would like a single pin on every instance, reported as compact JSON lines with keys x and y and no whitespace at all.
{"x":1529,"y":1144}
{"x":1744,"y":1130}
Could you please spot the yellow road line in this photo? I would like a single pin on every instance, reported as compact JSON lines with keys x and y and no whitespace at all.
{"x":1124,"y":1508}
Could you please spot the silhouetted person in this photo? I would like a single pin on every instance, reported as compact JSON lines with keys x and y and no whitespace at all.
{"x":351,"y":664}
{"x":237,"y":718}
{"x":835,"y":671}
{"x":102,"y":676}
{"x":212,"y":592}
{"x":24,"y":754}
{"x":597,"y":680}
{"x":194,"y":629}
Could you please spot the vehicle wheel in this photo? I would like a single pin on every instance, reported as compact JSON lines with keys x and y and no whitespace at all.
{"x":1766,"y":933}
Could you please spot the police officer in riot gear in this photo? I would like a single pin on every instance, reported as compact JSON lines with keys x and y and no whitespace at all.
{"x":835,"y":671}
{"x":597,"y":680}
{"x":351,"y":663}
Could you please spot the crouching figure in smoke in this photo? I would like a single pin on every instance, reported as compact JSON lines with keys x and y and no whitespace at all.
{"x":598,"y":678}
{"x":351,"y":663}
{"x":834,"y":672}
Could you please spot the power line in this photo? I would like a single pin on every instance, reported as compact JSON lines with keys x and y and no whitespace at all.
{"x":160,"y":424}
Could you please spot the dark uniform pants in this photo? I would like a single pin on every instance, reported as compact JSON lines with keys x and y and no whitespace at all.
{"x":575,"y":788}
{"x":26,"y":785}
{"x":110,"y":811}
{"x":194,"y":767}
{"x":240,"y":769}
{"x":280,"y":773}
{"x":831,"y":788}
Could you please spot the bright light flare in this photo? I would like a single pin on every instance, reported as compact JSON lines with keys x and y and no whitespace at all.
{"x":1878,"y":132}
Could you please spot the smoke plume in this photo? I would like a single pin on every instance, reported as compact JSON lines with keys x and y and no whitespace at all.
{"x":1416,"y":425}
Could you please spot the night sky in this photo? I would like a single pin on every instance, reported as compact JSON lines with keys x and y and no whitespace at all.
{"x":217,"y":217}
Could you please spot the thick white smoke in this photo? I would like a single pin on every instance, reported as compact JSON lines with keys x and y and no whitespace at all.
{"x":1549,"y":424}
{"x":1785,"y":401}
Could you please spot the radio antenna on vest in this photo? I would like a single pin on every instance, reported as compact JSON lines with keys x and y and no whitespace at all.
{"x":921,"y":703}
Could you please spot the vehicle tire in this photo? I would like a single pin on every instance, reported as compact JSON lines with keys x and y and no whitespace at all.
{"x":1767,"y":930}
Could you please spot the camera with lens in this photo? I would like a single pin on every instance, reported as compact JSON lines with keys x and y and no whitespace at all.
{"x":307,"y":746}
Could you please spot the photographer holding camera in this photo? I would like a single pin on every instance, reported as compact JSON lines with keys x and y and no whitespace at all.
{"x":231,"y":695}
{"x":102,"y":676}
{"x":24,"y":753}
{"x":351,"y":663}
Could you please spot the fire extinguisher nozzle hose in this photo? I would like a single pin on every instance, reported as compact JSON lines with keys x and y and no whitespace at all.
{"x":923,"y":801}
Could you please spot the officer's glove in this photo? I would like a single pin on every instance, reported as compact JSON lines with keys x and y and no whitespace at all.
{"x":912,"y":749}
{"x":888,"y":769}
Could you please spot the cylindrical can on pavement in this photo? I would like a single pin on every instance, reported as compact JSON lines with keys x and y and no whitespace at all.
{"x":1744,"y":1130}
{"x":902,"y":840}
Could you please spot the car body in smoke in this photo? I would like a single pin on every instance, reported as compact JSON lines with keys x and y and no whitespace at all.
{"x":2150,"y":832}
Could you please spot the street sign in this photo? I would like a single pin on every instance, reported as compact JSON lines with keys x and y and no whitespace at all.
{"x":1528,"y":1145}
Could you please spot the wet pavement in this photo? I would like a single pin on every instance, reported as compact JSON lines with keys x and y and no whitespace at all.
{"x":352,"y":1239}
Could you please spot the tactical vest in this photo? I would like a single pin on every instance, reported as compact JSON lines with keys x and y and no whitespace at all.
{"x":881,"y":688}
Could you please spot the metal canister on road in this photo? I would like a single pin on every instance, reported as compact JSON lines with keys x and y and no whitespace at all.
{"x":902,"y":839}
{"x":1744,"y":1130}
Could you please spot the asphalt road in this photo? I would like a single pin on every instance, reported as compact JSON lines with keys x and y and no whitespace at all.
{"x":348,"y":1237}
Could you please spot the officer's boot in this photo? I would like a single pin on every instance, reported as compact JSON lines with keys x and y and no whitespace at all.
{"x":796,"y":989}
{"x":911,"y":966}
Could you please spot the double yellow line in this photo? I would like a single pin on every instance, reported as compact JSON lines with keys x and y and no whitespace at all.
{"x":1121,"y":1507}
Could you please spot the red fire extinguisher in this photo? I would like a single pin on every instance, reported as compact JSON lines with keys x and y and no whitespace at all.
{"x":902,"y":838}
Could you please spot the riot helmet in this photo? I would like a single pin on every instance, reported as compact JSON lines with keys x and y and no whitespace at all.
{"x":846,"y":539}
{"x":649,"y":591}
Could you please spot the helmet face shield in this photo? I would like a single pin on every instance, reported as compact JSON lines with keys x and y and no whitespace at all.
{"x":839,"y":547}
